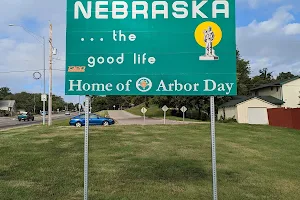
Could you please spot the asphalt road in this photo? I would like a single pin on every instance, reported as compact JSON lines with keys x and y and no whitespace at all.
{"x":9,"y":122}
{"x":126,"y":118}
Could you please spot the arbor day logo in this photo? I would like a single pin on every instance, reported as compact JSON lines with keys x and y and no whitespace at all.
{"x":143,"y":84}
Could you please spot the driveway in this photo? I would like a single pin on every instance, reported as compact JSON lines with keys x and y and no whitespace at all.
{"x":126,"y":118}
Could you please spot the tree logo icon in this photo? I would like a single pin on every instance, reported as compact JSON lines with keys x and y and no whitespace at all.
{"x":144,"y":84}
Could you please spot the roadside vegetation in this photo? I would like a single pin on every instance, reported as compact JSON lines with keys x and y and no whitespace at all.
{"x":154,"y":111}
{"x":150,"y":162}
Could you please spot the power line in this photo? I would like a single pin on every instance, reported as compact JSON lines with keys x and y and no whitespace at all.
{"x":59,"y":59}
{"x":34,"y":70}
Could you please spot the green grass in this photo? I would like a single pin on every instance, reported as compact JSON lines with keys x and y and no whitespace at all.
{"x":61,"y":122}
{"x":153,"y":111}
{"x":150,"y":162}
{"x":103,"y":113}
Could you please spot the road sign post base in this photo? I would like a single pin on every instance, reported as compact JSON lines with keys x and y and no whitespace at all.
{"x":86,"y":146}
{"x":213,"y":147}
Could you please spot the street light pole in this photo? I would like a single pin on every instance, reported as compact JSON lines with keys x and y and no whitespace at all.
{"x":50,"y":77}
{"x":44,"y":60}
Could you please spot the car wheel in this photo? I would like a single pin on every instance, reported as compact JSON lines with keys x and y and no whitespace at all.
{"x":105,"y":123}
{"x":78,"y":124}
{"x":19,"y":120}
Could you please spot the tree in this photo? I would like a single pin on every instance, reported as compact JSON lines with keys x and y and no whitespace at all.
{"x":265,"y":75}
{"x":263,"y":78}
{"x":70,"y":106}
{"x":285,"y":76}
{"x":243,"y":75}
{"x":99,"y":103}
{"x":4,"y":92}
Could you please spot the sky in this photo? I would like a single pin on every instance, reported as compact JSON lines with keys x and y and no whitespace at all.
{"x":268,"y":35}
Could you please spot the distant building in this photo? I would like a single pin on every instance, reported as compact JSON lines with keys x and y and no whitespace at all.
{"x":287,"y":91}
{"x":253,"y":109}
{"x":249,"y":110}
{"x":7,"y":107}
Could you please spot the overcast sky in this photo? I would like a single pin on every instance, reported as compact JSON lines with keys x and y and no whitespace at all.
{"x":268,"y":34}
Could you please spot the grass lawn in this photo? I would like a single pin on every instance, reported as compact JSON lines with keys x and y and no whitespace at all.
{"x":103,"y":113}
{"x":150,"y":162}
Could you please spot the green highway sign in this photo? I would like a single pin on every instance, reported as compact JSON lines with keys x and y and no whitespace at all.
{"x":149,"y":47}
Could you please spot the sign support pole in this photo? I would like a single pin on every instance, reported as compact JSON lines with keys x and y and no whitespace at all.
{"x":144,"y":118}
{"x":183,"y":116}
{"x":86,"y":146}
{"x":213,"y":147}
{"x":164,"y":117}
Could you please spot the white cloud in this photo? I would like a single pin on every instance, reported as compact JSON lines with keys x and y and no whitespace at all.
{"x":280,"y":18}
{"x":266,"y":43}
{"x":292,"y":29}
{"x":20,"y":51}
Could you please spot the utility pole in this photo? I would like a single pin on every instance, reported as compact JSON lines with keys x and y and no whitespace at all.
{"x":50,"y":77}
{"x":79,"y":106}
{"x":44,"y":62}
{"x":34,"y":103}
{"x":44,"y":102}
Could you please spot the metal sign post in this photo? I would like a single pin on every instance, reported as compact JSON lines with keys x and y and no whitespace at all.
{"x":86,"y":147}
{"x":183,"y":110}
{"x":213,"y":147}
{"x":165,"y":109}
{"x":144,"y":110}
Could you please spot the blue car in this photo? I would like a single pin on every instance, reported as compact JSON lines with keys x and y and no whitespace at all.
{"x":94,"y":119}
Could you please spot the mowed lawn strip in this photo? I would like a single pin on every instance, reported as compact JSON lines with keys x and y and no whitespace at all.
{"x":150,"y":162}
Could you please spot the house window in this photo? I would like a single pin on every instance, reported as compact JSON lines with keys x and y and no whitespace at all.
{"x":271,"y":88}
{"x":277,"y":89}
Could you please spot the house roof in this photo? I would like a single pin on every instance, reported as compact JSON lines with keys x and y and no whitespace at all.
{"x":275,"y":83}
{"x":7,"y":103}
{"x":269,"y":99}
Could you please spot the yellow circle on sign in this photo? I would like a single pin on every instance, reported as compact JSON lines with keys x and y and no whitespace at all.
{"x":199,"y":33}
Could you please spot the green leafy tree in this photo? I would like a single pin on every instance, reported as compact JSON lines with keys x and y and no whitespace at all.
{"x":264,"y":77}
{"x":243,"y":75}
{"x":285,"y":76}
{"x":32,"y":101}
{"x":99,"y":103}
{"x":4,"y":92}
{"x":265,"y":74}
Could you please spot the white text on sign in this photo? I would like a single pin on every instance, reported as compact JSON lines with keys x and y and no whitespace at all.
{"x":120,"y":9}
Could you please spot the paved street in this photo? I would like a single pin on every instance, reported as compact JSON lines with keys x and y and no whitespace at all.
{"x":8,"y":122}
{"x":126,"y":118}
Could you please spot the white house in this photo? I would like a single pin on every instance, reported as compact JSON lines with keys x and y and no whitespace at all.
{"x":249,"y":110}
{"x":287,"y":91}
{"x":7,"y":107}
